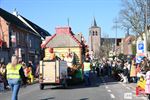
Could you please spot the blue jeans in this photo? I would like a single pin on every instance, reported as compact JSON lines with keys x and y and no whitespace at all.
{"x":15,"y":86}
{"x":87,"y":77}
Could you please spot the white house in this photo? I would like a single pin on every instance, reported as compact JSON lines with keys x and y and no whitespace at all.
{"x":141,"y":45}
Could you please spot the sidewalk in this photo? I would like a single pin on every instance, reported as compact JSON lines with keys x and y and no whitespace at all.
{"x":132,"y":85}
{"x":132,"y":88}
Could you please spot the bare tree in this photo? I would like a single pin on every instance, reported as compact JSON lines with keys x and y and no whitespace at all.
{"x":133,"y":15}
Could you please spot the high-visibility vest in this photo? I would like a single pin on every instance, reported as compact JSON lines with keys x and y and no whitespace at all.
{"x":13,"y":72}
{"x":87,"y":66}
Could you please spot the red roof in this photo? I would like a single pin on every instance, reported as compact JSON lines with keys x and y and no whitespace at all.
{"x":127,"y":39}
{"x":61,"y":30}
{"x":47,"y":40}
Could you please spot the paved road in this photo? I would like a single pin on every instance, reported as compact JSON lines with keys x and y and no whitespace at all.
{"x":102,"y":89}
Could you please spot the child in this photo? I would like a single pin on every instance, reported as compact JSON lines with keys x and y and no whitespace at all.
{"x":141,"y":83}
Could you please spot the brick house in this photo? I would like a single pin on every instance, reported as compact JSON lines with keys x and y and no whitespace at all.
{"x":18,"y":38}
{"x":126,"y":45}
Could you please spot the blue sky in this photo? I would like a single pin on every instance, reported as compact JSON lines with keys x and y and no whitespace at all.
{"x":52,"y":13}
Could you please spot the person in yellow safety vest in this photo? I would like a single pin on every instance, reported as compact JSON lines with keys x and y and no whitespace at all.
{"x":87,"y":70}
{"x":15,"y":75}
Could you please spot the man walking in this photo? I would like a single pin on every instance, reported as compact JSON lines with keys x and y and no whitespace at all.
{"x":87,"y":70}
{"x":15,"y":73}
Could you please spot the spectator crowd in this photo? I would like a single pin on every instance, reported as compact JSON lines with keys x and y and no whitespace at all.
{"x":30,"y":72}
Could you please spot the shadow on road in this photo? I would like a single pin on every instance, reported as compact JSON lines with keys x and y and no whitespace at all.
{"x":84,"y":99}
{"x":109,"y":80}
{"x":50,"y":98}
{"x":95,"y":82}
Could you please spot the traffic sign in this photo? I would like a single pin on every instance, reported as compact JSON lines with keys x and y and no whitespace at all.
{"x":140,"y":47}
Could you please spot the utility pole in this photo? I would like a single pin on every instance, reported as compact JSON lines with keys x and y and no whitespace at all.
{"x":146,"y":31}
{"x":147,"y":23}
{"x":116,"y":27}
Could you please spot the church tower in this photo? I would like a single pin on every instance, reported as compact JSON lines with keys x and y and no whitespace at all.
{"x":94,"y":39}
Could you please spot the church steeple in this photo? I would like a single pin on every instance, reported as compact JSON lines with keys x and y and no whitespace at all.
{"x":94,"y":38}
{"x":94,"y":23}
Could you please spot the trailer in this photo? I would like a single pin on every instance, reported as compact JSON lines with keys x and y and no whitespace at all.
{"x":53,"y":73}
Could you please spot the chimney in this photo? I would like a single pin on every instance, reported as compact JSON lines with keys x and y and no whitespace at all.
{"x":62,"y":30}
{"x":15,"y":12}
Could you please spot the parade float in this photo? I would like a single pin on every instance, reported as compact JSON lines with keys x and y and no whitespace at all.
{"x":67,"y":47}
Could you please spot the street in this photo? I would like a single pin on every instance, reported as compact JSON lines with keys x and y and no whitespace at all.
{"x":101,"y":47}
{"x":104,"y":88}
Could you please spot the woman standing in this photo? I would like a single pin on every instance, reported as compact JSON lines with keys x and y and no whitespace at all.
{"x":15,"y":73}
{"x":133,"y":71}
{"x":147,"y":86}
{"x":138,"y":71}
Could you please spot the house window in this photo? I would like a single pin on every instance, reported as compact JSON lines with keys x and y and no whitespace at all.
{"x":17,"y":37}
{"x":30,"y":43}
